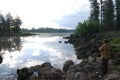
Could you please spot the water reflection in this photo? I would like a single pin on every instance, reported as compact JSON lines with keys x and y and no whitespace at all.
{"x":10,"y":43}
{"x":35,"y":50}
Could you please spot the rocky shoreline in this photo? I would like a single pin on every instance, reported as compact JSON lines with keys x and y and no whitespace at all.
{"x":88,"y":69}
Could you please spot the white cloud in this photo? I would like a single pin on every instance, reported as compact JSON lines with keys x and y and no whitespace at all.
{"x":72,"y":20}
{"x":40,"y":13}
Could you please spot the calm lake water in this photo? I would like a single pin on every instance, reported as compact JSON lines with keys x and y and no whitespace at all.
{"x":19,"y":52}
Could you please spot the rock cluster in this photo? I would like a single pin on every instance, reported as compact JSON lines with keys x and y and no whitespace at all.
{"x":88,"y":69}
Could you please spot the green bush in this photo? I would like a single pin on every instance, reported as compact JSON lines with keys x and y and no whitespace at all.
{"x":116,"y":44}
{"x":116,"y":41}
{"x":87,"y":28}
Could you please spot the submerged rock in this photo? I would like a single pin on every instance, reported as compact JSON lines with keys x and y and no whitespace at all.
{"x":60,"y":41}
{"x":1,"y":59}
{"x":65,"y":42}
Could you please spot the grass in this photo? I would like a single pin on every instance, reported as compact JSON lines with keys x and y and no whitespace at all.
{"x":118,"y":67}
{"x":115,"y":43}
{"x":116,"y":40}
{"x":116,"y":47}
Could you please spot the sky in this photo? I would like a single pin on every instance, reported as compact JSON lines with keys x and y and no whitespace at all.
{"x":47,"y":13}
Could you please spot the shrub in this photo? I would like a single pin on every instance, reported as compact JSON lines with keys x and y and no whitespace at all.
{"x":87,"y":28}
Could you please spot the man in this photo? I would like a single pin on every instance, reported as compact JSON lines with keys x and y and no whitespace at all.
{"x":105,"y":52}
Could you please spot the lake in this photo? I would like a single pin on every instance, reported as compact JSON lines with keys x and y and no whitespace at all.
{"x":19,"y":52}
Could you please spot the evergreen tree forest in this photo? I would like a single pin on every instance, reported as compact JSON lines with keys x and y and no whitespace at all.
{"x":8,"y":24}
{"x":107,"y":13}
{"x":104,"y":14}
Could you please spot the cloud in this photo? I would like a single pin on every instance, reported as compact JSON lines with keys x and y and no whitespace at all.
{"x":41,"y":13}
{"x":71,"y":20}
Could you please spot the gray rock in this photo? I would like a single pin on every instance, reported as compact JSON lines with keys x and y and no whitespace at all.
{"x":91,"y":59}
{"x":67,"y":65}
{"x":113,"y":76}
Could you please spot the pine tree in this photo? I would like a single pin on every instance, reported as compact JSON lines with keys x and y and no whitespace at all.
{"x":108,"y":15}
{"x":117,"y":14}
{"x":17,"y":24}
{"x":94,"y":10}
{"x":2,"y":21}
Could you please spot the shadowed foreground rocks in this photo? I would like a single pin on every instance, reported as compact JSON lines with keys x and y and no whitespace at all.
{"x":88,"y":69}
{"x":45,"y":72}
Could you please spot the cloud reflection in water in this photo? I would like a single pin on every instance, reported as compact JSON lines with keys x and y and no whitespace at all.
{"x":47,"y":49}
{"x":39,"y":49}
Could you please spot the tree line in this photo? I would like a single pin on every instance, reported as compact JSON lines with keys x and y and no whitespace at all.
{"x":104,"y":16}
{"x":48,"y":30}
{"x":8,"y":24}
{"x":107,"y":13}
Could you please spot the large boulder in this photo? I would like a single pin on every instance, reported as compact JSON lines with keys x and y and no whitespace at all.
{"x":51,"y":74}
{"x":88,"y":69}
{"x":46,"y":65}
{"x":112,"y":76}
{"x":75,"y":72}
{"x":67,"y":65}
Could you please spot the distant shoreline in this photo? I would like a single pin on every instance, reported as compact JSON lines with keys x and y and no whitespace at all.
{"x":16,"y":34}
{"x":29,"y":33}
